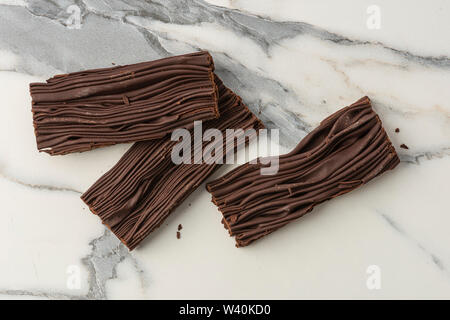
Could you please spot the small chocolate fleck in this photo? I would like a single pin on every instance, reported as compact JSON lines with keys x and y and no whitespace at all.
{"x":113,"y":63}
{"x":404,"y":146}
{"x":180,"y":226}
{"x":397,"y":130}
{"x":178,"y":235}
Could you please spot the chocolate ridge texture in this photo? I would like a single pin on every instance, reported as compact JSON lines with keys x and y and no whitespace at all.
{"x":145,"y":186}
{"x":83,"y":110}
{"x":347,"y":150}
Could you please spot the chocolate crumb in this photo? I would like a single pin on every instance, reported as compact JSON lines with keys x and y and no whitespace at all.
{"x":178,"y":235}
{"x":404,"y":146}
{"x":397,"y":130}
{"x":180,"y":226}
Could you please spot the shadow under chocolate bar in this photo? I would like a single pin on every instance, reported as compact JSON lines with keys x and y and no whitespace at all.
{"x":145,"y":186}
{"x":88,"y":109}
{"x":347,"y":150}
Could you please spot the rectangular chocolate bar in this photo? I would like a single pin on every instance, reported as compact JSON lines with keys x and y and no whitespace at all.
{"x":145,"y":186}
{"x":347,"y":150}
{"x":83,"y":110}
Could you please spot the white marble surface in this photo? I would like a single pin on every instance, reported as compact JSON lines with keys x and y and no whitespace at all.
{"x":295,"y":62}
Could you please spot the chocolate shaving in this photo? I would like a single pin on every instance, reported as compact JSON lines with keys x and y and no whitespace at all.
{"x":347,"y":150}
{"x":178,"y":235}
{"x":180,"y":227}
{"x":397,"y":130}
{"x":404,"y":146}
{"x":143,"y":188}
{"x":88,"y":109}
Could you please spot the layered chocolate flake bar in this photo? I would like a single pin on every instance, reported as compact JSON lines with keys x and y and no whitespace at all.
{"x":88,"y":109}
{"x":347,"y":150}
{"x":145,"y":186}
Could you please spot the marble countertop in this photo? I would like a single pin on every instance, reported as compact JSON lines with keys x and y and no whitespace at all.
{"x":294,"y":63}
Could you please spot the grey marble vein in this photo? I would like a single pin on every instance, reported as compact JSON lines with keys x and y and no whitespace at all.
{"x":107,"y":253}
{"x":39,"y":186}
{"x":400,"y":230}
{"x":39,"y":294}
{"x":416,"y":158}
{"x":112,"y":28}
{"x":262,"y":30}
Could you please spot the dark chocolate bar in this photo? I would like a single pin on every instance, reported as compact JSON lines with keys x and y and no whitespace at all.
{"x":143,"y":188}
{"x":83,"y":110}
{"x":347,"y":150}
